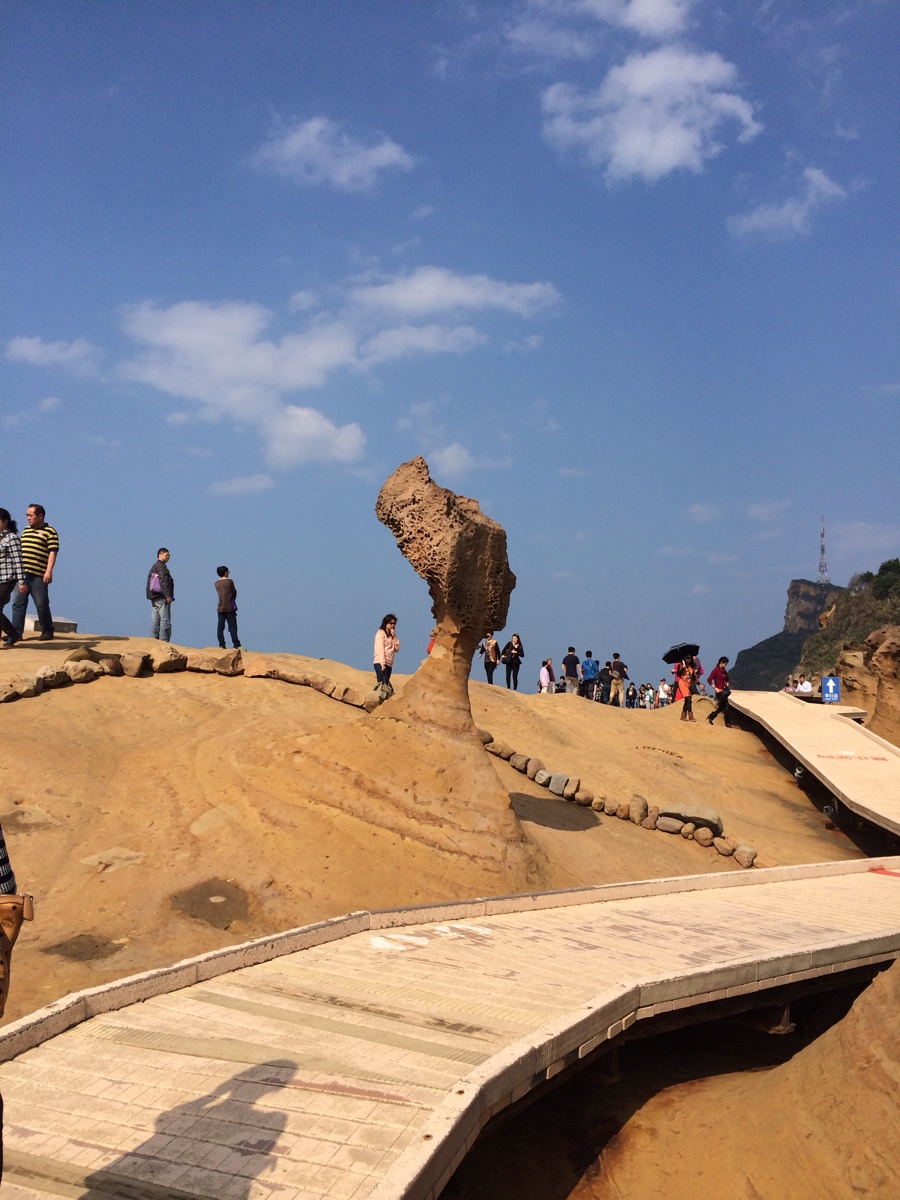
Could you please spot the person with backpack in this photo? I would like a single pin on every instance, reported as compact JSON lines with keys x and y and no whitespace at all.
{"x":161,"y":593}
{"x":589,"y":671}
{"x":12,"y":572}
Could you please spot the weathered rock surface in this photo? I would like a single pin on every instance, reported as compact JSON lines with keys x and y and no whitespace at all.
{"x":257,"y":666}
{"x":688,"y":830}
{"x":584,"y":797}
{"x":723,"y":846}
{"x":703,"y":836}
{"x":637,"y":809}
{"x":669,"y":824}
{"x":623,"y":812}
{"x":110,"y":664}
{"x":610,"y":806}
{"x":572,"y":788}
{"x":697,"y":814}
{"x":165,"y":658}
{"x":230,"y":664}
{"x":543,"y":778}
{"x":870,"y":678}
{"x":745,"y":855}
{"x":82,"y":671}
{"x":203,"y":661}
{"x":534,"y":765}
{"x":557,"y":784}
{"x":500,"y":750}
{"x":135,"y":663}
{"x":461,"y":555}
{"x":483,"y":733}
{"x":54,"y":677}
{"x":519,"y":762}
{"x":649,"y":822}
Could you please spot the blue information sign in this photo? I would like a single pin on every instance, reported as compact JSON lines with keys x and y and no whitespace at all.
{"x":831,"y":689}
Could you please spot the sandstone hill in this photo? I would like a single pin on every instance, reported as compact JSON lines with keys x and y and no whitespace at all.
{"x":159,"y":816}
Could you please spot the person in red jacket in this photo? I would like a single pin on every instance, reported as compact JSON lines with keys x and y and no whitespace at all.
{"x":718,"y":677}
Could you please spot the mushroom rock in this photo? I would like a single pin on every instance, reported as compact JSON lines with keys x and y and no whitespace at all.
{"x":417,"y":764}
{"x":461,"y":555}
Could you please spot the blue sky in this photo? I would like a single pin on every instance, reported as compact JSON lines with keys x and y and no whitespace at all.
{"x":624,"y":270}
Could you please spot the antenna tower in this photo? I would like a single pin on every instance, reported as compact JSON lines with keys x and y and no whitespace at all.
{"x":823,"y":565}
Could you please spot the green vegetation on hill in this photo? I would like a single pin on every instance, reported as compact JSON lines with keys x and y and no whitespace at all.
{"x":871,"y":600}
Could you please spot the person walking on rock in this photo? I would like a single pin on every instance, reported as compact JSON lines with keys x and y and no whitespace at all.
{"x":718,"y":677}
{"x":512,"y":655}
{"x":226,"y":608}
{"x":685,"y":678}
{"x":11,"y":573}
{"x":572,"y":669}
{"x":386,"y":646}
{"x":619,"y":673}
{"x":161,"y":593}
{"x":491,"y":651}
{"x":40,"y":547}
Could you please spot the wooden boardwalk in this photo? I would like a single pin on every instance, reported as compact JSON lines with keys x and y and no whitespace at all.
{"x":861,"y":769}
{"x":361,"y":1057}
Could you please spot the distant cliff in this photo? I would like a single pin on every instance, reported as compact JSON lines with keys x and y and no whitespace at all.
{"x":766,"y":665}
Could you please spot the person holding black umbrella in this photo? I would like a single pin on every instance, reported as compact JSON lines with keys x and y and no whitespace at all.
{"x":685,"y":678}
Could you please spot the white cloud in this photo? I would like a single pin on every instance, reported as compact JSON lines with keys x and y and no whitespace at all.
{"x":792,"y":217}
{"x":774,"y":510}
{"x":455,"y":461}
{"x":435,"y":289}
{"x":703,"y":513}
{"x":403,"y":340}
{"x":700,"y":589}
{"x":656,"y":113}
{"x":652,"y":18}
{"x":320,"y":151}
{"x":574,"y":472}
{"x":50,"y":404}
{"x":302,"y":301}
{"x":79,"y":356}
{"x":241,"y":485}
{"x":215,"y":356}
{"x":544,"y":39}
{"x":525,"y":345}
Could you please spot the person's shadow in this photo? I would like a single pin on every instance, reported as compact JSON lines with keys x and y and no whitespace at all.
{"x":199,"y":1147}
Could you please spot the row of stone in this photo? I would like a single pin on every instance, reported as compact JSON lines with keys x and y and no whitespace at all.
{"x":84,"y":665}
{"x":693,"y":822}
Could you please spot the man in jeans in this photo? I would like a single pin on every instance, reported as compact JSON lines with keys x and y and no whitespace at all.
{"x":161,"y":593}
{"x":40,"y":546}
{"x":572,"y":668}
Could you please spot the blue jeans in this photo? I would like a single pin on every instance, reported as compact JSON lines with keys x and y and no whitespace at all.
{"x":229,"y":619}
{"x":161,"y":621}
{"x":38,"y":590}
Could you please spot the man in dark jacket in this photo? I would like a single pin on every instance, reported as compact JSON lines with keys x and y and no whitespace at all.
{"x":718,"y":677}
{"x":161,"y":593}
{"x":605,"y":679}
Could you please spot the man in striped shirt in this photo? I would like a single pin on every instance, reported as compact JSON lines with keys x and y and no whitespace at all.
{"x":40,"y":546}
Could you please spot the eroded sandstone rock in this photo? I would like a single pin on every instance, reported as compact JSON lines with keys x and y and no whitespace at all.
{"x":461,"y":555}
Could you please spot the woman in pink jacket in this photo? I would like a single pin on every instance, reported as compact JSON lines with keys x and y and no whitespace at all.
{"x":386,"y":646}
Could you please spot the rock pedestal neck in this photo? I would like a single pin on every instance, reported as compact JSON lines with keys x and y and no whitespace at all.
{"x":461,"y":555}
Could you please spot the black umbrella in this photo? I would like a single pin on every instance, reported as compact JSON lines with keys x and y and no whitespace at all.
{"x":683,"y":650}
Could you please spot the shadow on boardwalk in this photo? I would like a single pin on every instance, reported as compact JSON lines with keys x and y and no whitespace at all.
{"x":213,"y":1147}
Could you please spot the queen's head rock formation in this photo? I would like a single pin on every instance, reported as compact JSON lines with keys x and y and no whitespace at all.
{"x":461,"y":555}
{"x":417,"y":765}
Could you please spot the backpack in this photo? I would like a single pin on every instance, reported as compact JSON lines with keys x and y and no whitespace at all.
{"x":589,"y":668}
